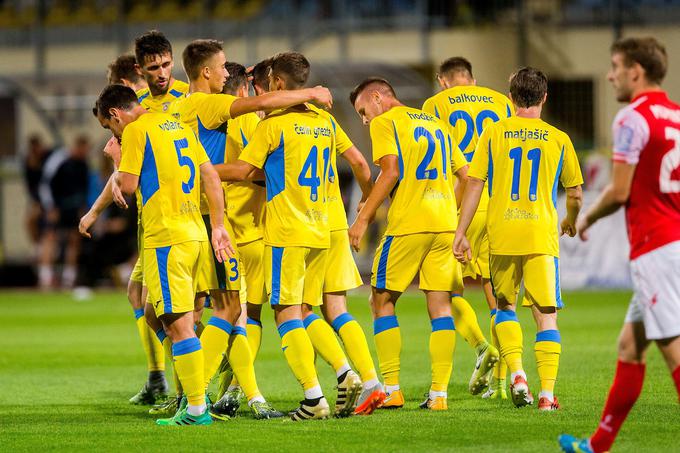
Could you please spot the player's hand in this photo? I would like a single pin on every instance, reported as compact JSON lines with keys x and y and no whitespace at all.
{"x":118,"y":197}
{"x":567,"y":228}
{"x":112,"y":150}
{"x":582,"y":227}
{"x":86,"y":222}
{"x":461,"y":248}
{"x":356,"y":233}
{"x":221,"y":243}
{"x":322,"y":95}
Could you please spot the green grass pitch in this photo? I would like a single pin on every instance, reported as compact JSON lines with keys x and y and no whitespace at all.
{"x":68,"y":368}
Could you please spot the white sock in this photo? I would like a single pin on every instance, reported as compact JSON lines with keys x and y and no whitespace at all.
{"x":518,"y":373}
{"x":45,"y":275}
{"x":196,"y":410}
{"x":256,"y":399}
{"x":371,"y":383}
{"x":389,"y":389}
{"x":68,"y":276}
{"x":433,"y":394}
{"x":342,"y":370}
{"x":313,"y":393}
{"x":546,"y":394}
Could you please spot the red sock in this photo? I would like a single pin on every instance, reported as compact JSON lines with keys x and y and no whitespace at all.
{"x":676,"y":379}
{"x":622,"y":396}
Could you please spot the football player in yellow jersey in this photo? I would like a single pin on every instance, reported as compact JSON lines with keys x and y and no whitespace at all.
{"x":154,"y":61}
{"x":523,"y":158}
{"x":174,"y":235}
{"x":122,"y":71}
{"x":417,"y":160}
{"x":293,"y":146}
{"x":467,"y":108}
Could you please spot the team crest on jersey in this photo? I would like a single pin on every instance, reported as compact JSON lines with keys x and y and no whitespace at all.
{"x":165,"y":106}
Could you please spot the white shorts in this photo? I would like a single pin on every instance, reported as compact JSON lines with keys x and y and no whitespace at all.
{"x":656,"y":297}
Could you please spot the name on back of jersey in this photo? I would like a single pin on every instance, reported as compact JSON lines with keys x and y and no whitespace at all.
{"x":527,"y":134}
{"x":664,"y":113}
{"x":470,"y":98}
{"x":170,"y":126}
{"x":317,"y":132}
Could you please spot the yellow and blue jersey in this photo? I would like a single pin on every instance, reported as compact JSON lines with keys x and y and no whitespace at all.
{"x":423,"y":200}
{"x":165,"y":155}
{"x":523,"y":160}
{"x":294,"y":148}
{"x":245,"y":199}
{"x":207,"y":115}
{"x":162,"y":103}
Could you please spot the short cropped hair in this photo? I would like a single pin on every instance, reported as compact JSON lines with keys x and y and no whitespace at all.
{"x":114,"y":96}
{"x":528,"y":87}
{"x":123,"y":67}
{"x":292,"y":67}
{"x":260,"y":74}
{"x":237,"y":77}
{"x":150,"y":44}
{"x":455,"y":65}
{"x":647,"y":52}
{"x":197,"y":53}
{"x":371,"y":82}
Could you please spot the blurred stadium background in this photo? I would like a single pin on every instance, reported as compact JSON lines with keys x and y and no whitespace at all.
{"x":54,"y":55}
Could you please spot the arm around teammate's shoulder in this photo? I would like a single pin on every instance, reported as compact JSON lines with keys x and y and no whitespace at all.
{"x":281,"y":100}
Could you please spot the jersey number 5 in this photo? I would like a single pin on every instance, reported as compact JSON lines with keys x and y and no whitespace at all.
{"x":185,"y":161}
{"x":534,"y":155}
{"x":670,"y":163}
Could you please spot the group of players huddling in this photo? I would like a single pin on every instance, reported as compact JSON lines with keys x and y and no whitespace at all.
{"x":239,"y":205}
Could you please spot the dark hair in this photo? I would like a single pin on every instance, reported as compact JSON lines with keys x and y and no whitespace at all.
{"x":528,"y":87}
{"x":123,"y":67}
{"x":260,"y":73}
{"x":455,"y":65}
{"x":114,"y":96}
{"x":237,"y":77}
{"x":647,"y":52}
{"x":197,"y":53}
{"x":371,"y":82}
{"x":150,"y":44}
{"x":292,"y":67}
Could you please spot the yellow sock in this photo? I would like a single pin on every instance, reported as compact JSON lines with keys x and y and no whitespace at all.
{"x":153,"y":349}
{"x":442,"y":346}
{"x":388,"y":345}
{"x":353,"y":337}
{"x":241,"y":360}
{"x":325,"y":342}
{"x":510,"y":339}
{"x":299,"y":352}
{"x":188,"y":359}
{"x":548,"y":348}
{"x":214,"y":341}
{"x":500,"y":369}
{"x":466,"y":321}
{"x":254,"y":335}
{"x":167,"y":347}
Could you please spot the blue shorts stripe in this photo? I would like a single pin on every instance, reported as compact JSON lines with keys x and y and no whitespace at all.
{"x":162,"y":261}
{"x":443,"y":323}
{"x":187,"y":346}
{"x":253,"y":322}
{"x":505,"y":315}
{"x":384,"y":323}
{"x":277,"y":255}
{"x":139,"y":312}
{"x":558,"y":289}
{"x":287,"y":326}
{"x":239,"y":331}
{"x":341,"y":321}
{"x":456,"y":295}
{"x":160,"y":333}
{"x":310,"y":318}
{"x":493,"y":312}
{"x":549,"y":335}
{"x":221,"y":324}
{"x":381,"y":275}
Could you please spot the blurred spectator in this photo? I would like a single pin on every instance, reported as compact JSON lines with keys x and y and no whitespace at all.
{"x":63,"y":193}
{"x":36,"y":155}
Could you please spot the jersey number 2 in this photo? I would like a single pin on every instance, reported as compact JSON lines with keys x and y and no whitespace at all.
{"x":670,"y":163}
{"x":516,"y":155}
{"x":185,"y":161}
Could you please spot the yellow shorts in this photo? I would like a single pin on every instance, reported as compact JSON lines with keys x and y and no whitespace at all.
{"x":171,"y":275}
{"x":252,"y":272}
{"x":215,"y":275}
{"x":540,"y":273}
{"x":399,"y":258}
{"x":341,"y":273}
{"x":294,"y":275}
{"x":479,"y":243}
{"x":137,"y":274}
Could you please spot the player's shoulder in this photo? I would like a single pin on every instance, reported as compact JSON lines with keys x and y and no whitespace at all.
{"x":179,"y":89}
{"x":631,"y":112}
{"x":142,"y":94}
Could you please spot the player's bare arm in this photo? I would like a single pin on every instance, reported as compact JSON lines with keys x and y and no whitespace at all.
{"x":574,"y":202}
{"x":212,"y":187}
{"x":102,"y":202}
{"x":461,"y":183}
{"x":461,"y":245}
{"x":238,"y":171}
{"x":280,"y":100}
{"x":361,"y":171}
{"x":387,"y":179}
{"x":610,"y":200}
{"x":126,"y":182}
